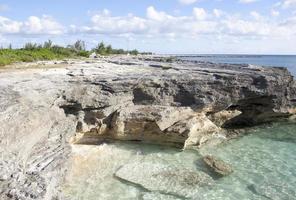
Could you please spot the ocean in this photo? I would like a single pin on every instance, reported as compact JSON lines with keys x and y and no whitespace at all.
{"x":263,"y":162}
{"x":288,"y":61}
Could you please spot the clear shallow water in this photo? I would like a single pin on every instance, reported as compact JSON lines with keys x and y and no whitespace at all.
{"x":264,"y":164}
{"x":288,"y":61}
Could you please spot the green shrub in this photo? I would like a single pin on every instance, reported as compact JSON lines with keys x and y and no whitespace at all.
{"x":33,"y":52}
{"x":134,"y":52}
{"x":83,"y":54}
{"x":100,"y":49}
{"x":5,"y":61}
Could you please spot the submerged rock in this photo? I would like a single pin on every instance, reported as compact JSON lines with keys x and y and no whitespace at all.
{"x":217,"y":165}
{"x":158,"y":177}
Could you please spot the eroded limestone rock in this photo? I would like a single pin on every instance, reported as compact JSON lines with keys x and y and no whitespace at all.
{"x":149,"y":123}
{"x":154,"y":124}
{"x":220,"y":118}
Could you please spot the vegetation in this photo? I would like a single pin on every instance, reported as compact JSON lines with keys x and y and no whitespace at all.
{"x":48,"y":51}
{"x":102,"y":49}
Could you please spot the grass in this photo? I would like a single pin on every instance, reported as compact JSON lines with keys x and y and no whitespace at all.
{"x":9,"y":56}
{"x":35,"y":52}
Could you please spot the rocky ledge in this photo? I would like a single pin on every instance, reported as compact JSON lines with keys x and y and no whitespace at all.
{"x":150,"y":99}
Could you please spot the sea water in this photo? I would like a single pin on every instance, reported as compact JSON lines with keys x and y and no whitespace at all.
{"x":264,"y":164}
{"x":288,"y":61}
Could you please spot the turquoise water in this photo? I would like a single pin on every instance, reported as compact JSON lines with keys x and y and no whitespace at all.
{"x":264,"y":164}
{"x":288,"y":61}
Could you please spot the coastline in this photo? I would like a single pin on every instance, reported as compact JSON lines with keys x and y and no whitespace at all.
{"x":145,"y":98}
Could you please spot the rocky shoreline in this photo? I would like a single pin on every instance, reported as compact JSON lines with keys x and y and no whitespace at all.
{"x":150,"y":99}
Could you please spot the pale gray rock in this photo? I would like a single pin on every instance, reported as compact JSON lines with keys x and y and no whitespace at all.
{"x":93,"y":55}
{"x":43,"y":110}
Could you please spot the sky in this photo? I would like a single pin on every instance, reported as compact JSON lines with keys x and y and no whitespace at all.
{"x":160,"y":26}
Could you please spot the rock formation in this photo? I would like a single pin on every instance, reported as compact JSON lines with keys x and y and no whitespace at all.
{"x":124,"y":98}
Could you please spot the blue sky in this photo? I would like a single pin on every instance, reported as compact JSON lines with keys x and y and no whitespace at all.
{"x":162,"y":26}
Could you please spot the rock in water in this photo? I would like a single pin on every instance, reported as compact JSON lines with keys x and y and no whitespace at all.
{"x":217,"y":165}
{"x":158,"y":177}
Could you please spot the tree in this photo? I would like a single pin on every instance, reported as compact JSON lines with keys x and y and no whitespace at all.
{"x":32,"y":46}
{"x":101,"y":49}
{"x":109,"y":49}
{"x":79,"y":45}
{"x":120,"y":51}
{"x":48,"y":44}
{"x":134,"y":52}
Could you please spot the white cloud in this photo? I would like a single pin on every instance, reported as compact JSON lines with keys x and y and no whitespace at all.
{"x":285,"y":4}
{"x":288,"y":3}
{"x":32,"y":26}
{"x":153,"y":14}
{"x":256,"y":15}
{"x":187,"y":2}
{"x":243,"y":27}
{"x":156,"y":23}
{"x":43,"y":25}
{"x":274,"y":13}
{"x":199,"y":13}
{"x":8,"y":26}
{"x":161,"y":24}
{"x":107,"y":24}
{"x":218,"y":13}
